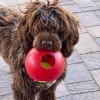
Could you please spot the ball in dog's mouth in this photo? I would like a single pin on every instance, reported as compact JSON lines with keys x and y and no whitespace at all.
{"x":44,"y":66}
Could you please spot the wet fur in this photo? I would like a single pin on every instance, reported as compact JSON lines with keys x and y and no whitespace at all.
{"x":21,"y":32}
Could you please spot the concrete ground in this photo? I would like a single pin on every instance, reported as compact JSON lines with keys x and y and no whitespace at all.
{"x":83,"y":77}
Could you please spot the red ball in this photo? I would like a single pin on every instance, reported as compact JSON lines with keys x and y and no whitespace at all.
{"x":42,"y":65}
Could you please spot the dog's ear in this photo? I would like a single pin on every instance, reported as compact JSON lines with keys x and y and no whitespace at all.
{"x":73,"y":35}
{"x":24,"y":36}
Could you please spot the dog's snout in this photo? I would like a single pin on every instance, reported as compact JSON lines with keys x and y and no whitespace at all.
{"x":47,"y":43}
{"x":44,"y":42}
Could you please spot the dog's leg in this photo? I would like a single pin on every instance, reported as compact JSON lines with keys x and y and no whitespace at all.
{"x":48,"y":94}
{"x":22,"y":95}
{"x":17,"y":93}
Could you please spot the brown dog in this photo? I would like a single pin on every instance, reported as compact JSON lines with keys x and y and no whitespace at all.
{"x":42,"y":26}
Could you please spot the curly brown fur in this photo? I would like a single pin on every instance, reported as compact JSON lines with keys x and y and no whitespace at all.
{"x":42,"y":26}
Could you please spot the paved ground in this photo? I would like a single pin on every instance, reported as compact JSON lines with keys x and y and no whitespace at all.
{"x":83,"y":77}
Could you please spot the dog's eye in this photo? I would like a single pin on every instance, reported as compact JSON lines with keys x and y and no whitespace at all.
{"x":30,"y":36}
{"x":60,"y":35}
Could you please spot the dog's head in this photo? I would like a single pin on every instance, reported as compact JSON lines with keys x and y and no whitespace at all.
{"x":48,"y":27}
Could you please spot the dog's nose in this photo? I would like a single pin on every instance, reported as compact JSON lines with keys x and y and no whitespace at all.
{"x":47,"y":43}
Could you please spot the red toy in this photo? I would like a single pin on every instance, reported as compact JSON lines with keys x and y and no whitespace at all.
{"x":44,"y":66}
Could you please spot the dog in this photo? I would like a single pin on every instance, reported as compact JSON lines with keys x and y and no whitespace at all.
{"x":44,"y":26}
